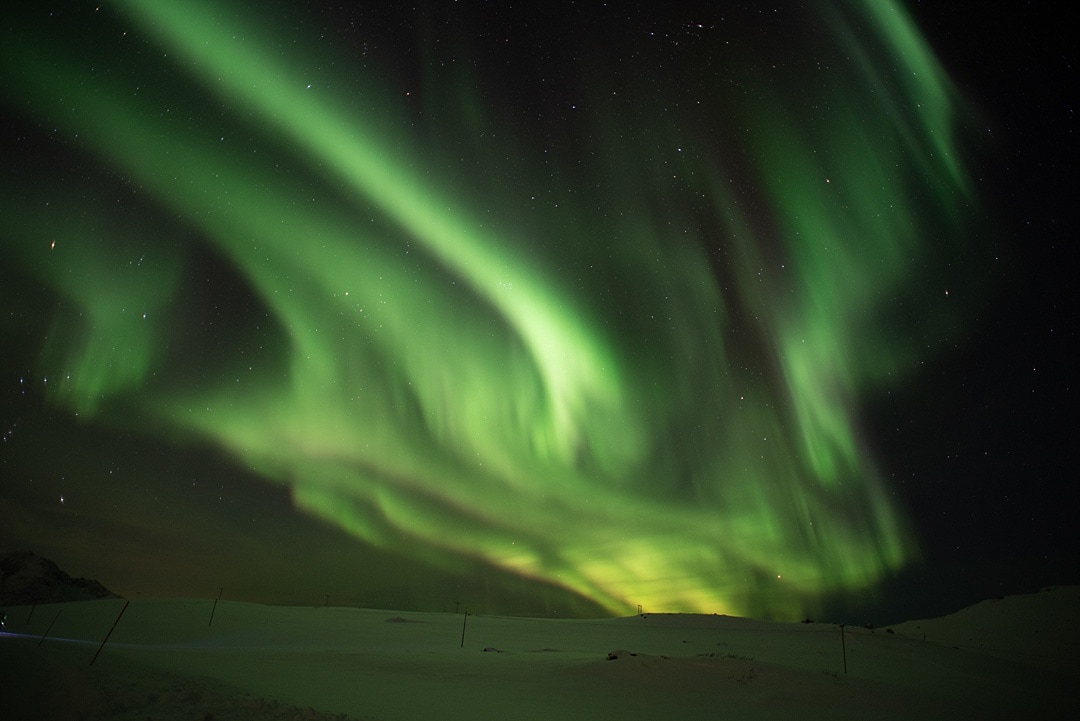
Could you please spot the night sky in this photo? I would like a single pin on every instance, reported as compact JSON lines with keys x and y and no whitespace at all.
{"x":559,"y":309}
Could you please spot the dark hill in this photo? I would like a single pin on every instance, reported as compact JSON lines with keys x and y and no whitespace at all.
{"x":27,"y":578}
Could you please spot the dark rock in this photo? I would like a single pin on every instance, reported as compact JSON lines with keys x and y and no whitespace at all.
{"x":620,"y":653}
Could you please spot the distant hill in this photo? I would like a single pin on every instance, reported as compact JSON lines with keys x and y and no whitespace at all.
{"x":26,"y":578}
{"x":1035,"y":625}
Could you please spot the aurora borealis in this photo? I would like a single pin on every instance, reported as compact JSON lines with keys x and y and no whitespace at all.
{"x":604,"y":321}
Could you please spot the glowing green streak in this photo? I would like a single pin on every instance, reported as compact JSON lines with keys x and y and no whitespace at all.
{"x":112,"y":333}
{"x":457,"y":401}
{"x":580,"y":376}
{"x":839,"y":195}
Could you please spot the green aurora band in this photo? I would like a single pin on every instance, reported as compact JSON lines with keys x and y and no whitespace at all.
{"x":636,"y":377}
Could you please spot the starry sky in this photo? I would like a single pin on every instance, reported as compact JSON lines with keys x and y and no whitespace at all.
{"x":563,"y":310}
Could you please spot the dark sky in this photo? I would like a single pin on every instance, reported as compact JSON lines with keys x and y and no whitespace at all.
{"x":553,"y":310}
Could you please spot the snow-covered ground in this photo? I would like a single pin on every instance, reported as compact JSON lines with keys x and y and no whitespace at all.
{"x":1017,"y":656}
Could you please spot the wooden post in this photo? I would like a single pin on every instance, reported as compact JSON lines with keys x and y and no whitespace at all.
{"x":843,"y":647}
{"x":212,"y":610}
{"x":49,"y":628}
{"x":105,"y":640}
{"x":463,"y":629}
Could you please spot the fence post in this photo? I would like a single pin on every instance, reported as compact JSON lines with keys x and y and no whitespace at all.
{"x":106,"y":639}
{"x":49,"y":628}
{"x":843,"y":647}
{"x":212,"y":610}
